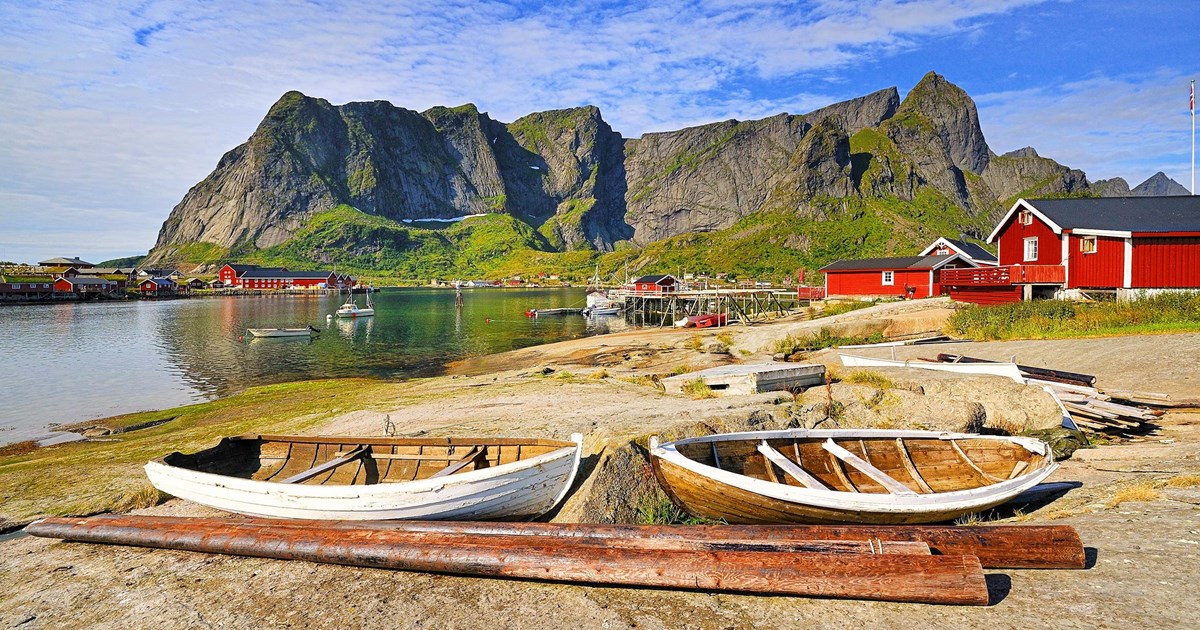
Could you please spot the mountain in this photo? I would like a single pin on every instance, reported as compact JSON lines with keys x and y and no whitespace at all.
{"x":1159,"y":185}
{"x":363,"y":185}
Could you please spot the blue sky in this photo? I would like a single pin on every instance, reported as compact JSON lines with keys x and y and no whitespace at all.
{"x":112,"y":110}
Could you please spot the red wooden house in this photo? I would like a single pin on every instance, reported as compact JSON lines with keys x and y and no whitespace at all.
{"x":655,"y":284}
{"x":157,"y":286}
{"x":1066,"y":247}
{"x":906,"y":276}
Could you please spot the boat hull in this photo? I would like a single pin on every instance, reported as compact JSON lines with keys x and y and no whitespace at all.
{"x":362,"y":312}
{"x":721,"y":495}
{"x":519,"y":490}
{"x":280,"y":332}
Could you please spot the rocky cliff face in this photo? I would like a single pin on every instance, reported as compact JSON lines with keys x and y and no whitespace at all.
{"x":567,"y":174}
{"x":1159,"y":185}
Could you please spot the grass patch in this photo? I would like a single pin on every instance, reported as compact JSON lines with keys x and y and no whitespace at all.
{"x":682,"y":368}
{"x":825,"y":338}
{"x":1055,"y":319}
{"x":867,"y":377}
{"x":698,"y":390}
{"x":645,"y":381}
{"x":1140,"y":491}
{"x":839,"y":308}
{"x":1183,"y":481}
{"x":599,"y":374}
{"x":694,"y":343}
{"x":725,"y":337}
{"x":88,"y":477}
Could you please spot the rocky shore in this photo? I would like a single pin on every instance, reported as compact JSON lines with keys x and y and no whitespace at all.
{"x":1136,"y":508}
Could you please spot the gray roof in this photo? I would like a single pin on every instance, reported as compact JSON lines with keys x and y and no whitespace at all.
{"x":1126,"y":214}
{"x":901,"y":262}
{"x":971,"y":249}
{"x":239,"y":268}
{"x":66,"y":261}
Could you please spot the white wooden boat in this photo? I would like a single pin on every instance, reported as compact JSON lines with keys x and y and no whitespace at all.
{"x":593,"y":311}
{"x":374,"y":478}
{"x":1007,"y":370}
{"x":282,"y":332}
{"x":870,"y":476}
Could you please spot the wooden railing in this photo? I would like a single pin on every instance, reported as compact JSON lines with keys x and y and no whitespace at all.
{"x":810,"y":293}
{"x":1005,"y":276}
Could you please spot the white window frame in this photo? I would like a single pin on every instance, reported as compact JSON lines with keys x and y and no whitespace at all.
{"x":1032,"y":240}
{"x":888,"y":278}
{"x":1025,"y":217}
{"x":1083,"y":241}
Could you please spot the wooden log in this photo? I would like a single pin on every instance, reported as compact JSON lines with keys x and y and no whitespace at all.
{"x":886,"y":577}
{"x":997,"y":546}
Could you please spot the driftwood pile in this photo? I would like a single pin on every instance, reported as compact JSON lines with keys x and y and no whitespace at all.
{"x":925,"y":564}
{"x":1090,"y":408}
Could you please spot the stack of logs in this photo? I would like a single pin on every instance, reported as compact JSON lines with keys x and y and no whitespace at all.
{"x":928,"y":564}
{"x":1091,"y":409}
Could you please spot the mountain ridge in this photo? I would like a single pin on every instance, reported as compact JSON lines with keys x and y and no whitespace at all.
{"x":583,"y":190}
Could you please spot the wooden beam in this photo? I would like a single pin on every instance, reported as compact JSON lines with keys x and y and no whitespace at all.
{"x":973,"y":465}
{"x":910,"y":466}
{"x":791,"y":468}
{"x":327,"y":466}
{"x":464,"y":461}
{"x":866,"y":468}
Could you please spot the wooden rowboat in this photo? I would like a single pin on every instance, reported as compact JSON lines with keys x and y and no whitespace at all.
{"x":367,"y":478}
{"x":847,"y":476}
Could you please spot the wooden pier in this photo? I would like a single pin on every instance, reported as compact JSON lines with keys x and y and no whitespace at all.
{"x":743,"y":306}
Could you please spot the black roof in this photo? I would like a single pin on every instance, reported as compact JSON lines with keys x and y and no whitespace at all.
{"x":971,"y":249}
{"x":653,"y":279}
{"x":901,"y":262}
{"x":1126,"y":214}
{"x":238,"y":268}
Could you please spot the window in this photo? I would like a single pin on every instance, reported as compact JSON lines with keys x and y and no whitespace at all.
{"x":1087,"y":245}
{"x":888,"y":278}
{"x":1031,"y":249}
{"x":1026,"y":217}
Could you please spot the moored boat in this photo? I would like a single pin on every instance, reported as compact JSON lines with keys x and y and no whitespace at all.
{"x":283,"y":332}
{"x":351,"y":308}
{"x":374,"y":478}
{"x":869,"y":476}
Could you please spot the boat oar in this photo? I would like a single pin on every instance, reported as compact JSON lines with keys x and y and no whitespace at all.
{"x":886,"y":577}
{"x":996,"y":546}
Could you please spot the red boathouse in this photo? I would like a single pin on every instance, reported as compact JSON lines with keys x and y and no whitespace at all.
{"x":906,"y":276}
{"x":1068,"y":247}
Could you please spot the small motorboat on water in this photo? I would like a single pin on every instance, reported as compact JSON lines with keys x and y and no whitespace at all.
{"x":351,"y":309}
{"x":374,"y":478}
{"x":283,"y":332}
{"x":593,"y":311}
{"x":867,"y":476}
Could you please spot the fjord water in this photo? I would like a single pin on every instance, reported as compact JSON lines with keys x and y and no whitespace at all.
{"x":64,"y":363}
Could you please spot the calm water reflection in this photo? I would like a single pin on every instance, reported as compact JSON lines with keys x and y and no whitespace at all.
{"x":71,"y":362}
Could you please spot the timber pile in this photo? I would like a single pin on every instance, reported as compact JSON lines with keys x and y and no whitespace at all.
{"x":924,"y":564}
{"x":1090,"y":408}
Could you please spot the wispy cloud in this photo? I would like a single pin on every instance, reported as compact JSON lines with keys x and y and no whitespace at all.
{"x":1128,"y":126}
{"x":115,"y":106}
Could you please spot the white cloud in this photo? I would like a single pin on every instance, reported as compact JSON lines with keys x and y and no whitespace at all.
{"x":111,"y":105}
{"x":1130,"y":126}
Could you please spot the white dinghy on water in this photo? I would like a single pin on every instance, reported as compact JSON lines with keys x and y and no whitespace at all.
{"x":374,"y":478}
{"x":283,"y":332}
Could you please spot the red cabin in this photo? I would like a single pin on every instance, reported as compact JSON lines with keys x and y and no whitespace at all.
{"x":906,"y":277}
{"x":1065,"y":247}
{"x":655,"y":284}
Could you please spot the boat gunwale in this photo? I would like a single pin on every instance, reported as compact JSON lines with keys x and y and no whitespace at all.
{"x":848,"y":501}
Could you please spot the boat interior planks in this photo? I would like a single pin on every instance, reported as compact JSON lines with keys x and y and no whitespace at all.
{"x":866,"y":476}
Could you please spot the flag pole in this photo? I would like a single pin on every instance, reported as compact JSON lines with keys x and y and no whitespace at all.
{"x":1192,"y":106}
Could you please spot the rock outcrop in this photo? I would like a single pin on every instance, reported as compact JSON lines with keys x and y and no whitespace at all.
{"x":1159,"y":185}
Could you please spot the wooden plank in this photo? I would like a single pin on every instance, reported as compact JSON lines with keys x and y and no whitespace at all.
{"x":866,"y":468}
{"x":461,"y":463}
{"x":940,"y":579}
{"x":794,"y":471}
{"x":967,"y":460}
{"x":997,"y":546}
{"x":911,"y":467}
{"x":327,"y":466}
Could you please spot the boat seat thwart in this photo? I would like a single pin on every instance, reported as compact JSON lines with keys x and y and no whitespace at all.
{"x":866,"y":468}
{"x":790,"y":467}
{"x":327,"y":466}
